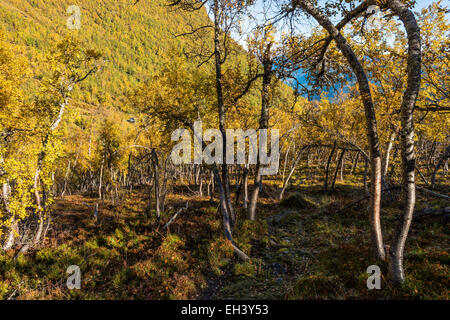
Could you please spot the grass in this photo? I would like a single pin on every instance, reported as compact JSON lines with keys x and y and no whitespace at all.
{"x":123,"y":256}
{"x":301,"y":250}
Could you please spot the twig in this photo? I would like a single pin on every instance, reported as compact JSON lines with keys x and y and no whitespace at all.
{"x":14,"y":292}
{"x":439,"y":195}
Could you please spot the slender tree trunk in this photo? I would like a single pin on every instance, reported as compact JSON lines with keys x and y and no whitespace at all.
{"x":221,"y":109}
{"x":66,"y":178}
{"x":388,"y":153}
{"x":355,"y":162}
{"x":285,"y":160}
{"x":100,"y":181}
{"x":208,"y":186}
{"x":155,"y":164}
{"x":263,"y":124}
{"x":239,"y":184}
{"x":38,"y":200}
{"x":10,"y":238}
{"x":245,"y":181}
{"x":200,"y":187}
{"x":213,"y":187}
{"x":407,"y":138}
{"x":327,"y":169}
{"x":291,"y":172}
{"x":338,"y":165}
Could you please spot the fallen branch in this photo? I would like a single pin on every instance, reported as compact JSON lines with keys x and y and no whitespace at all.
{"x":422,"y":176}
{"x":175,"y":216}
{"x":438,"y":195}
{"x":432,"y":212}
{"x":240,"y":253}
{"x":14,"y":292}
{"x":365,"y":198}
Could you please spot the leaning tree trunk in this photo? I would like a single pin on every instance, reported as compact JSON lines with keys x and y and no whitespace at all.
{"x":371,"y":122}
{"x":407,"y":138}
{"x":221,"y":110}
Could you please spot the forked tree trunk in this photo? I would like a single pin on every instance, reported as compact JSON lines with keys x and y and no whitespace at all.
{"x":371,"y":122}
{"x":221,"y":109}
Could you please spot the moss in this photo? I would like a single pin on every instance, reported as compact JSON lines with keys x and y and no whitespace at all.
{"x":297,"y":201}
{"x":4,"y":287}
{"x":317,"y":286}
{"x":247,"y":269}
{"x":327,"y":260}
{"x":219,"y":253}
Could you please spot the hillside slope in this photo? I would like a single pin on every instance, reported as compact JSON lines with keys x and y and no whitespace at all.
{"x":134,"y":39}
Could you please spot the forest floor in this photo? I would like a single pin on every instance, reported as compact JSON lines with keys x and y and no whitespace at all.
{"x":301,"y":248}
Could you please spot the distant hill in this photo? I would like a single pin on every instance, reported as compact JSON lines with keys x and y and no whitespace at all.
{"x":133,"y":38}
